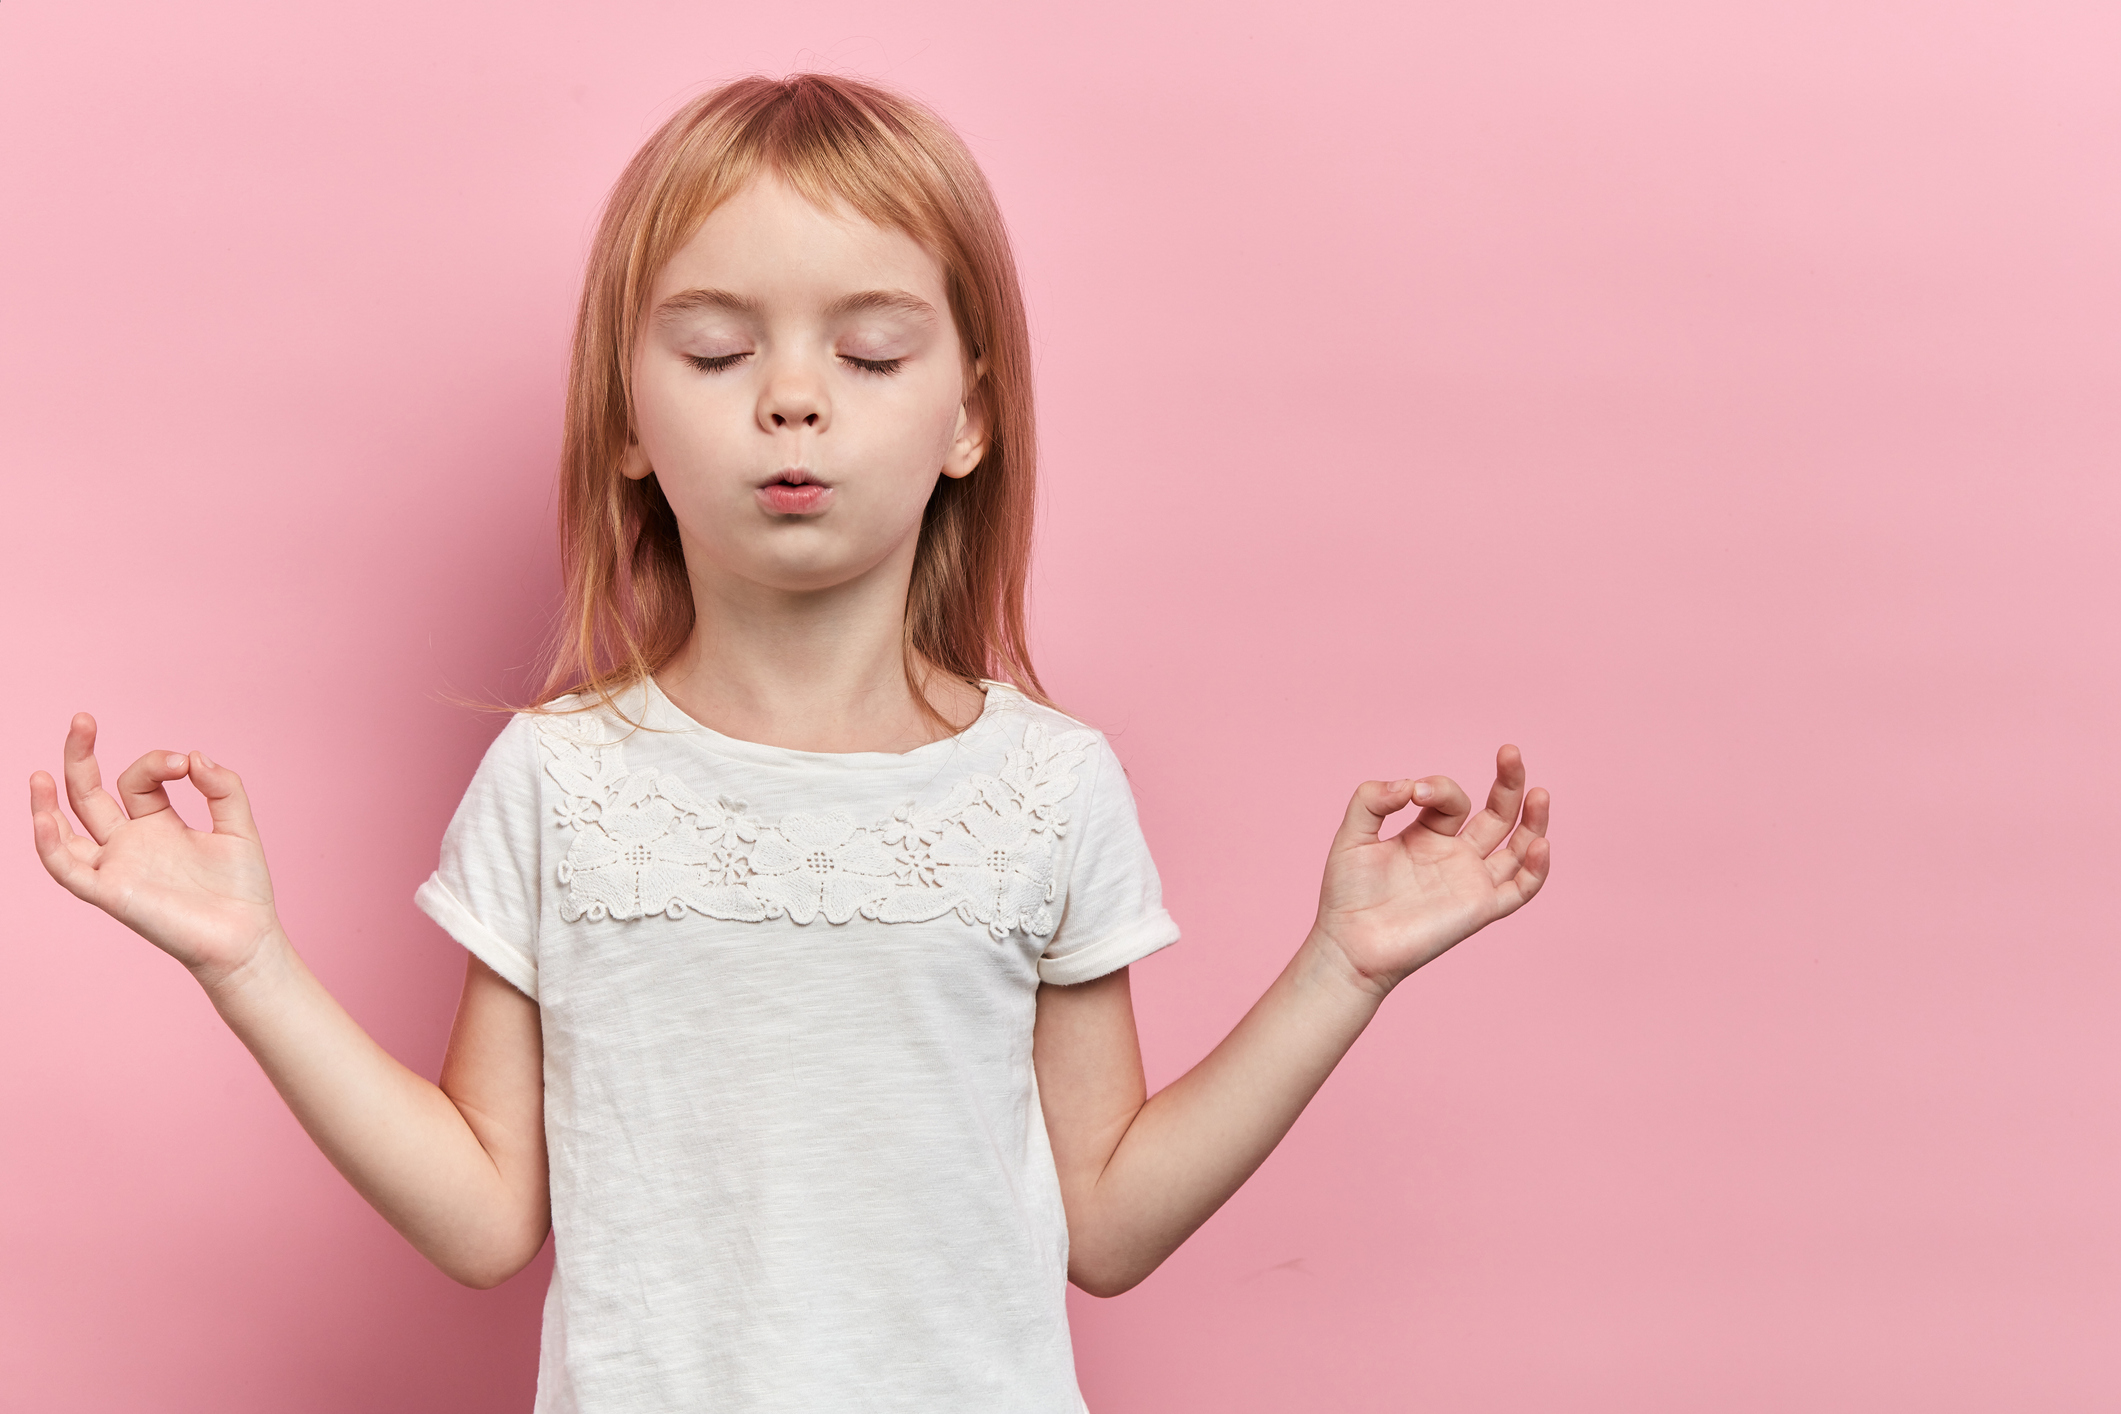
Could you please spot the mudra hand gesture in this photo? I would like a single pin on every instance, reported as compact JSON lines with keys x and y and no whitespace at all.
{"x":1390,"y":905}
{"x":202,"y":896}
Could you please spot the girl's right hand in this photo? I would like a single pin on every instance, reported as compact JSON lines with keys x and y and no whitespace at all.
{"x":202,"y":897}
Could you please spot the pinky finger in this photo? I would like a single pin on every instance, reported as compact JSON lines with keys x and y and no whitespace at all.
{"x":64,"y":853}
{"x":1507,"y":862}
{"x":1538,"y":863}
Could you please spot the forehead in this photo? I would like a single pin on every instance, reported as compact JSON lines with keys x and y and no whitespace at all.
{"x":771,"y":244}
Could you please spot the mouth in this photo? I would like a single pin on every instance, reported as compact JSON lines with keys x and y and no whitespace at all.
{"x":794,"y":491}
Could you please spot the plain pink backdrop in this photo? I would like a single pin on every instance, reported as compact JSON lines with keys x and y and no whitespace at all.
{"x":1722,"y":401}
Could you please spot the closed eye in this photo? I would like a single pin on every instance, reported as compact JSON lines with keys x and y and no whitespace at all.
{"x":875,"y":365}
{"x":717,"y":363}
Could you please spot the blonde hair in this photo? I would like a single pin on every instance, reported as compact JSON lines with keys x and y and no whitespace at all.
{"x":627,"y":605}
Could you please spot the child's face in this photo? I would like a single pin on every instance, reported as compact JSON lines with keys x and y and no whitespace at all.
{"x":785,"y":344}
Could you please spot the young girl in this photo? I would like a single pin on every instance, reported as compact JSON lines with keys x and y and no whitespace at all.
{"x":798,"y":918}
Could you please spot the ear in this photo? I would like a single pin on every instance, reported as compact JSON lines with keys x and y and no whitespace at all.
{"x":970,"y":443}
{"x":634,"y":465}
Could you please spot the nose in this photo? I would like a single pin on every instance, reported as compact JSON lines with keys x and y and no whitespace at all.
{"x":793,"y":396}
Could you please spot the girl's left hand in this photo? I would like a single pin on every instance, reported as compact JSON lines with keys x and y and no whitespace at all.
{"x":1389,"y":905}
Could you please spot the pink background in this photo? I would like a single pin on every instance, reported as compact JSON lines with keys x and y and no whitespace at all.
{"x":1719,"y":400}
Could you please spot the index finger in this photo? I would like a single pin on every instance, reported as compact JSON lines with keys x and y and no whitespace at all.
{"x":140,"y":784}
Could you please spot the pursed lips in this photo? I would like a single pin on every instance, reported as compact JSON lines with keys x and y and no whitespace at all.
{"x":794,"y":491}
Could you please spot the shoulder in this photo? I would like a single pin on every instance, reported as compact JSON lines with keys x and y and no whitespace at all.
{"x":582,"y":719}
{"x":1062,"y":754}
{"x":1008,"y":703}
{"x":570,"y":740}
{"x":1033,"y":725}
{"x":536,"y":732}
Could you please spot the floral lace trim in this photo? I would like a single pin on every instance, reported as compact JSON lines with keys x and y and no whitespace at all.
{"x":644,"y":844}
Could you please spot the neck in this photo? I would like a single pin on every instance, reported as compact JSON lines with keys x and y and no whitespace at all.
{"x":813,"y":670}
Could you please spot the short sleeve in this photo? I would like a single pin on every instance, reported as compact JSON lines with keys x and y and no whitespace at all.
{"x":484,"y":893}
{"x":1113,"y":913}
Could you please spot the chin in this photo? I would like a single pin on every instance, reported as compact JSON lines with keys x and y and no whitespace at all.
{"x":800,"y":573}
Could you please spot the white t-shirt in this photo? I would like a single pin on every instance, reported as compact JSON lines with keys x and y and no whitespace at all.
{"x":798,"y":1161}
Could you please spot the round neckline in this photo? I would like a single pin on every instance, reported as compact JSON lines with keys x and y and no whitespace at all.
{"x":739,"y":749}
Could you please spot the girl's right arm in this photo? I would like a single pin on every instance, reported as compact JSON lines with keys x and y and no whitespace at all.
{"x":458,"y":1168}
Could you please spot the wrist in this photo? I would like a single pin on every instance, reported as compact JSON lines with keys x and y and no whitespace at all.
{"x":1332,"y":965}
{"x":226,"y":983}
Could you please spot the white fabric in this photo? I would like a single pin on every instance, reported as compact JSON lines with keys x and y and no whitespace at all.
{"x":797,"y":1156}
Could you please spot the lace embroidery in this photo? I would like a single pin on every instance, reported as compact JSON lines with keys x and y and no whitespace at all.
{"x":644,"y":844}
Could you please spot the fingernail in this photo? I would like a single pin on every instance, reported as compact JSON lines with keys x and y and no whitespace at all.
{"x":1423,"y":791}
{"x":207,"y":762}
{"x":174,"y":761}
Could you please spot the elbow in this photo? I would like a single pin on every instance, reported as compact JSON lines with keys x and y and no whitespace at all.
{"x":481,"y":1278}
{"x":1102,"y":1288}
{"x":1107,"y":1278}
{"x":483,"y":1271}
{"x":1109,"y":1255}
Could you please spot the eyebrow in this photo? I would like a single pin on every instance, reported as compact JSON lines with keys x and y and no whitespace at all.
{"x":689,"y":300}
{"x":888,"y":301}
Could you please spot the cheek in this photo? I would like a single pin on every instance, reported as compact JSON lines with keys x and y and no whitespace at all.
{"x":933,"y":426}
{"x":926,"y":436}
{"x":680,"y":421}
{"x":654,"y":416}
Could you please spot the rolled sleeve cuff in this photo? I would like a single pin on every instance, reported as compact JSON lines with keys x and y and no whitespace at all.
{"x":437,"y":902}
{"x":1108,"y":954}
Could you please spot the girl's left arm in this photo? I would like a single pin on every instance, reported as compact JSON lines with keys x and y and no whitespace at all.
{"x":1139,"y":1174}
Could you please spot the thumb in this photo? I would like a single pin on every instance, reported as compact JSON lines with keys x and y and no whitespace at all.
{"x":225,"y":800}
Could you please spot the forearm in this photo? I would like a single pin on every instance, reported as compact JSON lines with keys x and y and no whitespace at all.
{"x":1196,"y":1141}
{"x":397,"y":1137}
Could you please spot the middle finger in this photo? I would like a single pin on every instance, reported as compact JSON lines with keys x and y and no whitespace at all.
{"x":98,"y":813}
{"x":1492,"y":825}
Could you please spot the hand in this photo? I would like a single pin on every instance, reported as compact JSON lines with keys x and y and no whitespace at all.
{"x":202,"y":897}
{"x":1389,"y":905}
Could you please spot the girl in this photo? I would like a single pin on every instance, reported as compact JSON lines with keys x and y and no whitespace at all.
{"x":798,"y":918}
